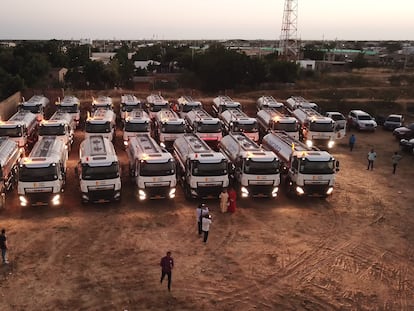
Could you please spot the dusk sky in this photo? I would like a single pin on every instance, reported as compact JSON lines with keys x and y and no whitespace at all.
{"x":205,"y":19}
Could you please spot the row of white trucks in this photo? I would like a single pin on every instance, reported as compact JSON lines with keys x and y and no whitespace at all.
{"x":202,"y":170}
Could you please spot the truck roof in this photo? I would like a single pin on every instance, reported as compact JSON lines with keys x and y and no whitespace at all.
{"x":48,"y":150}
{"x":144,"y":147}
{"x":97,"y":151}
{"x":194,"y":148}
{"x":8,"y":149}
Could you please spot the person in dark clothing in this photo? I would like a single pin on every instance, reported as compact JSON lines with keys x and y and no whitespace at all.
{"x":3,"y":246}
{"x":167,"y":264}
{"x":352,"y":140}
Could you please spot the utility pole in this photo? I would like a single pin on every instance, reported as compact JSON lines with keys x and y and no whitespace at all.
{"x":288,"y":43}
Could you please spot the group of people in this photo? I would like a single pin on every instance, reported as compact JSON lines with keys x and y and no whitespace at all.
{"x":228,"y":200}
{"x":372,"y":156}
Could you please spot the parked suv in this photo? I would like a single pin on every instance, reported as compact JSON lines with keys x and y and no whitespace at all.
{"x":393,"y":121}
{"x":361,"y":120}
{"x":406,"y":132}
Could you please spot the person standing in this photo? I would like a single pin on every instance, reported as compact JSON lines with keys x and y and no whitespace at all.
{"x":167,"y":264}
{"x":224,"y":198}
{"x":372,"y":155}
{"x":395,"y":159}
{"x":198,"y":217}
{"x":3,"y":246}
{"x":206,"y":226}
{"x":232,"y":200}
{"x":352,"y":141}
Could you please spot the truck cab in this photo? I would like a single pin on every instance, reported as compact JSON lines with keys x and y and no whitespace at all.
{"x":128,"y":103}
{"x":60,"y":124}
{"x":167,"y":127}
{"x":186,"y":104}
{"x":102,"y":122}
{"x":236,"y":121}
{"x":155,"y":103}
{"x":222,"y":103}
{"x":70,"y":104}
{"x":36,"y":105}
{"x":136,"y":121}
{"x":270,"y":119}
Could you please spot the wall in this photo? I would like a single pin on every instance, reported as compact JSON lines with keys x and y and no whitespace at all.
{"x":9,"y":106}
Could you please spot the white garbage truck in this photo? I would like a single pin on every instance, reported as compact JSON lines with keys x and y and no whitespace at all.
{"x":203,"y":172}
{"x":270,"y":119}
{"x":155,"y":102}
{"x":152,"y":168}
{"x":236,"y":121}
{"x":136,"y":121}
{"x":129,"y":102}
{"x":222,"y":103}
{"x":9,"y":160}
{"x":267,"y":101}
{"x":315,"y":129}
{"x":70,"y":104}
{"x":101,"y":122}
{"x":186,"y":104}
{"x":42,"y":175}
{"x":36,"y":104}
{"x":98,"y":171}
{"x":22,"y":128}
{"x":60,"y":124}
{"x":254,"y":170}
{"x":205,"y":126}
{"x":305,"y":171}
{"x":167,"y":127}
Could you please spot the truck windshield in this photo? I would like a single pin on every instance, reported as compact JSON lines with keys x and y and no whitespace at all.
{"x":129,"y":108}
{"x":69,"y":109}
{"x":11,"y":132}
{"x":242,"y":127}
{"x":209,"y":128}
{"x":320,"y":127}
{"x":32,"y":174}
{"x":172,"y":128}
{"x":209,"y":169}
{"x":261,"y":168}
{"x":156,"y":108}
{"x":98,"y":128}
{"x":33,"y":109}
{"x":316,"y":167}
{"x":100,"y":172}
{"x":189,"y":107}
{"x":52,"y":130}
{"x":287,"y":127}
{"x":136,"y":127}
{"x":157,"y":169}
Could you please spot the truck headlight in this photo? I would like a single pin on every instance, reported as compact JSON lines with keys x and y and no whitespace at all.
{"x":309,"y":143}
{"x":274,"y":192}
{"x":23,"y":200}
{"x":56,"y":200}
{"x":244,"y":192}
{"x":299,"y":190}
{"x":329,"y":191}
{"x":142,"y":195}
{"x":162,"y":145}
{"x":331,"y":143}
{"x":125,"y":143}
{"x":172,"y":193}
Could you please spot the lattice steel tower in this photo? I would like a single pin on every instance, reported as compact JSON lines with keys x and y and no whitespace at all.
{"x":288,"y":43}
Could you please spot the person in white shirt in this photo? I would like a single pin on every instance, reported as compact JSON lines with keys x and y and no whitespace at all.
{"x":372,"y":155}
{"x":206,"y":226}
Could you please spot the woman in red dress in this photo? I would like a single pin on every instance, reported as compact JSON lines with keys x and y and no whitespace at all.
{"x":232,"y":200}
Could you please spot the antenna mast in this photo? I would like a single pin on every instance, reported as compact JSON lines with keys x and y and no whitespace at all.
{"x":288,"y":43}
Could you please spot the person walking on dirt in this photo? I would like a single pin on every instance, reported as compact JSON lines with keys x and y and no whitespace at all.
{"x":201,"y":211}
{"x":395,"y":159}
{"x":232,"y":200}
{"x":224,"y":200}
{"x":372,"y":155}
{"x":206,"y":226}
{"x":352,"y":141}
{"x":3,"y":246}
{"x":167,"y":264}
{"x":198,"y":217}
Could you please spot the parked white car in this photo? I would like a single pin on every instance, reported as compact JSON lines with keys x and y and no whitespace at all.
{"x":361,"y":120}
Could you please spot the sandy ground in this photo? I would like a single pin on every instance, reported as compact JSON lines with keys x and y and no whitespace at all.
{"x":352,"y":251}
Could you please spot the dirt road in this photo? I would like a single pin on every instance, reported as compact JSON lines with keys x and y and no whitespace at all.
{"x":353,"y":251}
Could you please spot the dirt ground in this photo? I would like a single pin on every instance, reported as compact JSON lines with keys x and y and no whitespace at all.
{"x":352,"y":251}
